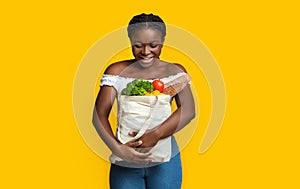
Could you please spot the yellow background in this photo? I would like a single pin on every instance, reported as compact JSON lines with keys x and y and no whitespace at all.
{"x":255,"y":43}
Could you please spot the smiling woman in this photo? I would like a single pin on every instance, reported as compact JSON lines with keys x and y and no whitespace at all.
{"x":152,"y":154}
{"x":147,"y":34}
{"x":146,"y":46}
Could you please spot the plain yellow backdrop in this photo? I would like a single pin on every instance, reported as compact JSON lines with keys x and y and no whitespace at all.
{"x":256,"y":44}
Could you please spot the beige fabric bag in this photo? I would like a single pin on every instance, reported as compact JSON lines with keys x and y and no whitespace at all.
{"x":140,"y":113}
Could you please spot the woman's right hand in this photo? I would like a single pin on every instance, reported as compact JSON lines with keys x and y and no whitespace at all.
{"x":129,"y":152}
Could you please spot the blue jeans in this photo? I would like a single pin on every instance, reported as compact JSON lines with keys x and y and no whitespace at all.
{"x":167,"y":175}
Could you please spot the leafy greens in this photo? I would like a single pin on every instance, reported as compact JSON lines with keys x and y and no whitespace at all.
{"x":137,"y":87}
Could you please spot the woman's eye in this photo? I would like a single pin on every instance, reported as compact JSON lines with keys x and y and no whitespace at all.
{"x":153,"y":45}
{"x":138,"y":46}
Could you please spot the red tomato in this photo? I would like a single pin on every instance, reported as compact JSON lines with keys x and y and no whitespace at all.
{"x":158,"y":85}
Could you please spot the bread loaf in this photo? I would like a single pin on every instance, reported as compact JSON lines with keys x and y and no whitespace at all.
{"x":175,"y":86}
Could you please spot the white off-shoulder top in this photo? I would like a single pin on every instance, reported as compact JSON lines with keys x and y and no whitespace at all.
{"x":119,"y":82}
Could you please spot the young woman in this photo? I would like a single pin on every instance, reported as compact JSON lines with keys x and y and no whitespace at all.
{"x":146,"y":33}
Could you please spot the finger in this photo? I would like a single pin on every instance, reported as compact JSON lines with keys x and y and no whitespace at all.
{"x":143,"y":155}
{"x":133,"y":134}
{"x":134,"y":144}
{"x":141,"y":158}
{"x":143,"y":150}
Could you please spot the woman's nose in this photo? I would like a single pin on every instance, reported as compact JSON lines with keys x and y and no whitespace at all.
{"x":146,"y":50}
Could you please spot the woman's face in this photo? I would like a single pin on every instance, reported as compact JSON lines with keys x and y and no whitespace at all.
{"x":146,"y":46}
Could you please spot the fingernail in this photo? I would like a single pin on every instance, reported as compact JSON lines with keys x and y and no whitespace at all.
{"x":140,"y":142}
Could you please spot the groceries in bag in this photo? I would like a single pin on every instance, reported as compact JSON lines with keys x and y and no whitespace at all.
{"x":144,"y":105}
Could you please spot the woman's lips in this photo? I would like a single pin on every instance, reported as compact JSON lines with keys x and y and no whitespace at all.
{"x":146,"y":60}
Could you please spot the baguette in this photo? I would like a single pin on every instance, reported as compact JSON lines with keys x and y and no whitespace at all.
{"x":175,"y":86}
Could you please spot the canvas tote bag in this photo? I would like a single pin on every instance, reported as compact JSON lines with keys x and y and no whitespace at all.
{"x":140,"y":113}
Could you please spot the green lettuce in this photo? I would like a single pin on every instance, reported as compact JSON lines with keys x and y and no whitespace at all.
{"x":137,"y":87}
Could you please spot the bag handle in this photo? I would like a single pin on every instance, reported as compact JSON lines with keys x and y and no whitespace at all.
{"x":146,"y":124}
{"x":148,"y":121}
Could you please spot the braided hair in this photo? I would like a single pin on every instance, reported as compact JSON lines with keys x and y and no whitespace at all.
{"x":146,"y":21}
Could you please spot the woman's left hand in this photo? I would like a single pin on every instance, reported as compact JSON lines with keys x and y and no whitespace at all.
{"x":149,"y":138}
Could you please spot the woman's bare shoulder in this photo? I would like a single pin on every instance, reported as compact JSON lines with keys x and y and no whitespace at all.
{"x":173,"y":68}
{"x":117,"y":67}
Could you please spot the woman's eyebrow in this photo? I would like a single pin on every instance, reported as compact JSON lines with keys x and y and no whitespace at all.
{"x":147,"y":43}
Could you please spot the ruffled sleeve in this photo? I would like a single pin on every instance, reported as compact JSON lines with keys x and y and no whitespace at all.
{"x":109,"y":80}
{"x":115,"y":81}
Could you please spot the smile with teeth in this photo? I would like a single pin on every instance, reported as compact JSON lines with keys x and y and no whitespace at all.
{"x":146,"y":60}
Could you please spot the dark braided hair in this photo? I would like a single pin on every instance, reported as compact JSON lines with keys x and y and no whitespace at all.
{"x":146,"y":21}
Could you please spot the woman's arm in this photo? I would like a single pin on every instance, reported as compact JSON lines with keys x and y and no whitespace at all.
{"x":185,"y":110}
{"x":101,"y":113}
{"x":184,"y":113}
